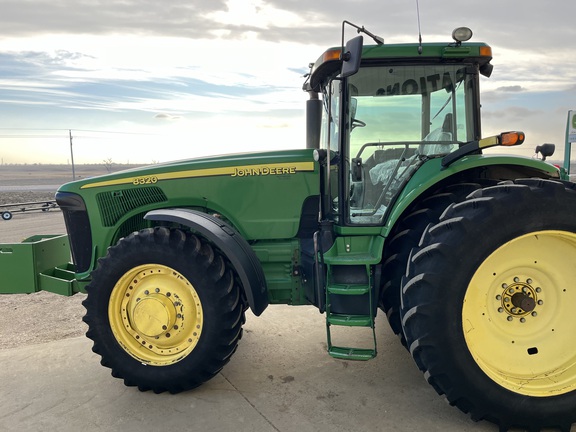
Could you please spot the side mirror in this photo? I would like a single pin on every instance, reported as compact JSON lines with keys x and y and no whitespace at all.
{"x":353,"y":107}
{"x":546,"y":150}
{"x":351,"y":57}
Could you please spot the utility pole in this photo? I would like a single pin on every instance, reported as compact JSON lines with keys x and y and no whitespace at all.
{"x":72,"y":156}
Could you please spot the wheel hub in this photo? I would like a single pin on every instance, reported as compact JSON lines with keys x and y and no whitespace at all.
{"x":524,"y":302}
{"x":519,"y":298}
{"x":153,"y":315}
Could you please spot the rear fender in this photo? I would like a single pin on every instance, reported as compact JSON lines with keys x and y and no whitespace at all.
{"x":497,"y":167}
{"x":231,"y":244}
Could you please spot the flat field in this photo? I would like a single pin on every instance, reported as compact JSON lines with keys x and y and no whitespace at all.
{"x":41,"y":174}
{"x":37,"y":182}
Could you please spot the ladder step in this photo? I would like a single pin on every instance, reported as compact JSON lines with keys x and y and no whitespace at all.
{"x":342,"y":289}
{"x":350,"y":320}
{"x":345,"y":353}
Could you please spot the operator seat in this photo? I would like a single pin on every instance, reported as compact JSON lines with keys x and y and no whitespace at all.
{"x":444,"y":133}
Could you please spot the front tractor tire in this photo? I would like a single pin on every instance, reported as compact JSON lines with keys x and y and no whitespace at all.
{"x":487,"y":305}
{"x":164,"y":310}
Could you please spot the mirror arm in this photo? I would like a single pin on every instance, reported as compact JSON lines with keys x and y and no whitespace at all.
{"x":378,"y":39}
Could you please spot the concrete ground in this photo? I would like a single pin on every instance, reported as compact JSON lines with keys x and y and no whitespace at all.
{"x":280,"y":379}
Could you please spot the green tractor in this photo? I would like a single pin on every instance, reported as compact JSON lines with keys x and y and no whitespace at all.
{"x":392,"y":206}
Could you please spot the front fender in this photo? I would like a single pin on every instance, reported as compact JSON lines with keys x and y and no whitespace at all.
{"x":231,"y":244}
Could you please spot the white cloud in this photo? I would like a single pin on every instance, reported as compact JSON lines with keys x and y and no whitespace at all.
{"x":255,"y":13}
{"x":115,"y":65}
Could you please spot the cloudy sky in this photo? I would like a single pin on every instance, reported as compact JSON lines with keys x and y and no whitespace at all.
{"x":143,"y":81}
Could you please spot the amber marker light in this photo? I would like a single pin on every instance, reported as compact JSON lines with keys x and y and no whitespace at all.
{"x":333,"y":54}
{"x":486,"y":51}
{"x":511,"y":138}
{"x":507,"y":139}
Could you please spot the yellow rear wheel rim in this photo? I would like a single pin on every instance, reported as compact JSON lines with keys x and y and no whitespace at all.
{"x":519,"y":317}
{"x":155,"y":314}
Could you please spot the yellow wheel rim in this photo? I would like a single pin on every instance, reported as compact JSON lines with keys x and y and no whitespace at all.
{"x":517,"y":315}
{"x":155,"y":314}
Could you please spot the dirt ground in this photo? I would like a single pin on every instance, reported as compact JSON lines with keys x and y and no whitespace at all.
{"x":27,"y":319}
{"x":40,"y":317}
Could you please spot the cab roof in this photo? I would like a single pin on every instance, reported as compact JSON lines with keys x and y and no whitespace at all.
{"x":329,"y":63}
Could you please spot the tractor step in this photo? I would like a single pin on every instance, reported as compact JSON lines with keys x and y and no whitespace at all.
{"x":349,"y":303}
{"x":345,"y":353}
{"x":348,"y":289}
{"x":350,"y":320}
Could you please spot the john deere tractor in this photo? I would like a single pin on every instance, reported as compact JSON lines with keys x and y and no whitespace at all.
{"x":393,"y":207}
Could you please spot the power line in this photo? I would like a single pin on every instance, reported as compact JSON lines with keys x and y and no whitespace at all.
{"x":79,"y":130}
{"x":31,"y":136}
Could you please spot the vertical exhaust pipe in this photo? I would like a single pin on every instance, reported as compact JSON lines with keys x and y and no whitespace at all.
{"x":313,"y":121}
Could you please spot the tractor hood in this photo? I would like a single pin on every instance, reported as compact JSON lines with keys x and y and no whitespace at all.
{"x":237,"y":165}
{"x":262,"y":195}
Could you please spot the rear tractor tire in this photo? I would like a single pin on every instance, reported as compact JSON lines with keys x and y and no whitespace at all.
{"x":406,"y":236}
{"x":164,"y":310}
{"x":488,"y":301}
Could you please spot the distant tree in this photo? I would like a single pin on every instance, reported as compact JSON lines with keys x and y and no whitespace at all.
{"x":109,"y":164}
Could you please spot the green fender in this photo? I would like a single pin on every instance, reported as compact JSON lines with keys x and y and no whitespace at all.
{"x":233,"y":246}
{"x":431,"y":173}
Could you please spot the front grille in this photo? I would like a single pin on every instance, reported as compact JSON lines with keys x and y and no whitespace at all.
{"x":78,"y":227}
{"x":115,"y":204}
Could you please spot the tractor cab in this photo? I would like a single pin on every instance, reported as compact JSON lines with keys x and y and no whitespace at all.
{"x":386,"y":110}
